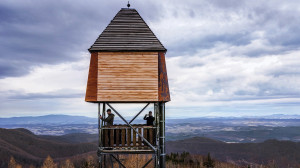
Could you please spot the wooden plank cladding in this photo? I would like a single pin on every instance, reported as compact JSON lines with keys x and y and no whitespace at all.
{"x":127,"y":76}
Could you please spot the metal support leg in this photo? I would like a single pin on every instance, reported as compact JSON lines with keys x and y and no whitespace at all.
{"x":111,"y":161}
{"x":157,"y":124}
{"x":162,"y":158}
{"x":104,"y":161}
{"x":100,"y":140}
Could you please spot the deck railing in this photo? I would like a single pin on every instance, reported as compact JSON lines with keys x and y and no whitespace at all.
{"x":120,"y":136}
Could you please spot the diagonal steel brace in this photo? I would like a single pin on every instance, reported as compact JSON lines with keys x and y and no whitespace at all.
{"x":120,"y":163}
{"x":138,"y":113}
{"x":145,"y":140}
{"x":146,"y":164}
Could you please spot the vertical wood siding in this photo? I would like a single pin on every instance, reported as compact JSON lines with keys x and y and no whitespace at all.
{"x":127,"y":76}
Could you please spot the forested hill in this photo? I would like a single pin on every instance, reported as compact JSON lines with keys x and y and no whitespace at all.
{"x":28,"y":148}
{"x":282,"y":153}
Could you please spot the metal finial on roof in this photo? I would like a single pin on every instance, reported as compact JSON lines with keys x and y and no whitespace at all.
{"x":128,"y":5}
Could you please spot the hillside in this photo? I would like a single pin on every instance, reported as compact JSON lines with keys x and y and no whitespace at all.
{"x":283,"y":153}
{"x":28,"y":148}
{"x":72,"y":138}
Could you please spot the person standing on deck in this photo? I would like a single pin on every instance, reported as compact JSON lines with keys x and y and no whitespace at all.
{"x":149,"y":119}
{"x":109,"y":119}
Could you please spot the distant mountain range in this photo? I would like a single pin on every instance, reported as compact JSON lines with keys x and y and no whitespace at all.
{"x":48,"y":119}
{"x":229,"y":129}
{"x":67,"y":119}
{"x":276,"y":116}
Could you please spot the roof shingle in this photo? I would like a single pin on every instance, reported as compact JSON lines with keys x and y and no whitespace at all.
{"x":127,"y":32}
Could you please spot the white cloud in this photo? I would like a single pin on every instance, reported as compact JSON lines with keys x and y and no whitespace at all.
{"x":47,"y":89}
{"x":220,"y":78}
{"x":49,"y":78}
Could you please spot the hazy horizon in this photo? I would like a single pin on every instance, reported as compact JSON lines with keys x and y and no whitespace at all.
{"x":169,"y":116}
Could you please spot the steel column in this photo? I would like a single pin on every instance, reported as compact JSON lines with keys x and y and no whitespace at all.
{"x":111,"y":161}
{"x":101,"y":160}
{"x":162,"y":158}
{"x":156,"y":113}
{"x":99,"y":138}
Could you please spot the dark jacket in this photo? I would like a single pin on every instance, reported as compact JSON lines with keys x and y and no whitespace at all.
{"x":109,"y":119}
{"x":149,"y":119}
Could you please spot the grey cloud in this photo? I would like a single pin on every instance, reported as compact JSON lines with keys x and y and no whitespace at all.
{"x":290,"y":69}
{"x":275,"y":88}
{"x":193,"y":44}
{"x":228,"y":3}
{"x":280,"y":26}
{"x":32,"y":37}
{"x":7,"y":68}
{"x":50,"y":32}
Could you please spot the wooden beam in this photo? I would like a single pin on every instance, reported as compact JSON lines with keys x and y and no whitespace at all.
{"x":163,"y":85}
{"x":91,"y":89}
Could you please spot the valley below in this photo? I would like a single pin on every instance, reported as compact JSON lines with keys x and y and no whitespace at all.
{"x":237,"y":141}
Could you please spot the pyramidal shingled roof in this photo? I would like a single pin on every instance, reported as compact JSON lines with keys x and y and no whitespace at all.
{"x":127,"y":32}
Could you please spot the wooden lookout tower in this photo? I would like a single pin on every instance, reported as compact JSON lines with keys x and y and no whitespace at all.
{"x":128,"y":66}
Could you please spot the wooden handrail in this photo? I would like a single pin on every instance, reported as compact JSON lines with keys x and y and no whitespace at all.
{"x":124,"y":125}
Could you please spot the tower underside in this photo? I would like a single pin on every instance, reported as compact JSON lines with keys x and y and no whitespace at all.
{"x":131,"y":138}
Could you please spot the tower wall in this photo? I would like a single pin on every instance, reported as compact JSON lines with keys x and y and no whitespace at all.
{"x":127,"y":77}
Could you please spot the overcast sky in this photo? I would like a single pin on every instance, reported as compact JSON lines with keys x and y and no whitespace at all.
{"x":225,"y":58}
